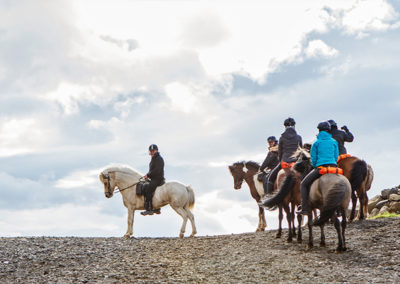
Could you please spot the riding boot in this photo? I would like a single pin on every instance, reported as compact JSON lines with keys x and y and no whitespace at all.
{"x":148,"y":207}
{"x":269,"y":189}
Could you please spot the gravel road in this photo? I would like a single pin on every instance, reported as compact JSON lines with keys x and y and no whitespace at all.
{"x":373,"y":256}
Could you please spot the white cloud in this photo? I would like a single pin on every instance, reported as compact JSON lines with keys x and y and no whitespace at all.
{"x":317,"y":48}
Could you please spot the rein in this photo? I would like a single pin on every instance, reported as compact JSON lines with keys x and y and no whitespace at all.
{"x":119,"y":190}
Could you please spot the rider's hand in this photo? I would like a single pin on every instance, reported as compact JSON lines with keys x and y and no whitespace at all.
{"x":145,"y":177}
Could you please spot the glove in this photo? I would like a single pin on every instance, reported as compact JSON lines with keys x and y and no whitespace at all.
{"x":344,"y":127}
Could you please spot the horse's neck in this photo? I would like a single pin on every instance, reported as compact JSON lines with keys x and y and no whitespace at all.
{"x":124,"y":179}
{"x":249,"y":178}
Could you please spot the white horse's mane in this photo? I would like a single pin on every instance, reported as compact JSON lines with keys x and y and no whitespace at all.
{"x":300,"y":151}
{"x":120,"y":168}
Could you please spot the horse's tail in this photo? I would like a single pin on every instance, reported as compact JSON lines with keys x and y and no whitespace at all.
{"x":334,"y":197}
{"x":370,"y":178}
{"x":191,"y":196}
{"x":358,"y":174}
{"x":286,"y":187}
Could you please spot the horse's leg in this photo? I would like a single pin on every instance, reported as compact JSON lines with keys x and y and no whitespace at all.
{"x":299,"y":232}
{"x":339,"y":233}
{"x":360,"y":214}
{"x":280,"y":216}
{"x":310,"y":235}
{"x":184,"y":215}
{"x":322,"y":242}
{"x":344,"y":225}
{"x":289,"y":220}
{"x":264,"y":222}
{"x":191,"y":219}
{"x":354,"y":203}
{"x":260,"y":219}
{"x":292,"y":210}
{"x":365,"y":204}
{"x":129,"y":231}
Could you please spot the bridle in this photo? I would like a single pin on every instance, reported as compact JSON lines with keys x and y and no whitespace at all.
{"x":107,"y":177}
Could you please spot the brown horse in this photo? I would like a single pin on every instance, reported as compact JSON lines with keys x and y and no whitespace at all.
{"x":247,"y":171}
{"x":328,"y":193}
{"x":287,"y":198}
{"x":360,"y":175}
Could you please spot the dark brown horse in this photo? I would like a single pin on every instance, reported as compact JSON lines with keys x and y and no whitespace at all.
{"x":360,"y":175}
{"x":329,"y":193}
{"x":288,"y":197}
{"x":247,"y":171}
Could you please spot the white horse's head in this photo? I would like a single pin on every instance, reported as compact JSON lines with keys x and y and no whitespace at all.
{"x":108,"y":180}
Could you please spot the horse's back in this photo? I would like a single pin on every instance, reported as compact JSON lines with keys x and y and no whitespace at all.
{"x":172,"y":192}
{"x":328,"y":183}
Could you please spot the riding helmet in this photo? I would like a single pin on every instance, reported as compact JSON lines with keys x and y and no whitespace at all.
{"x":332,"y":122}
{"x":289,"y":122}
{"x":272,"y":139}
{"x":153,"y":147}
{"x":324,"y":126}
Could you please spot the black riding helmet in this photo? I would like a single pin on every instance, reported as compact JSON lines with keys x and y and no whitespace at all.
{"x":324,"y":126}
{"x":272,"y":139}
{"x":289,"y":122}
{"x":153,"y":147}
{"x":333,"y":124}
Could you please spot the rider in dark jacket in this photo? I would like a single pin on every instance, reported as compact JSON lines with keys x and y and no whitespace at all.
{"x":288,"y":143}
{"x":156,"y":178}
{"x":341,"y":136}
{"x":270,"y":162}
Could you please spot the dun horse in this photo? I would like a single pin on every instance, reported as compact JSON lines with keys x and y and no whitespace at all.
{"x":179,"y":196}
{"x":287,"y":197}
{"x":360,"y":175}
{"x":328,"y":193}
{"x":247,"y":171}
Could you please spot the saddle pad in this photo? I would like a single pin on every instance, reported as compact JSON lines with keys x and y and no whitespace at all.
{"x":141,"y":187}
{"x":285,"y":165}
{"x":343,"y":156}
{"x":330,"y":170}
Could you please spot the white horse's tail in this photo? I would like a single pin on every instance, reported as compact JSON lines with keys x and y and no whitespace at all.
{"x":191,"y":196}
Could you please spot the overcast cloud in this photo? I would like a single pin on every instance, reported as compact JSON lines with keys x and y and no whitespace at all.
{"x":86,"y":84}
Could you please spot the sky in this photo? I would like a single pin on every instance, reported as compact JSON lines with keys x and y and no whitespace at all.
{"x":89,"y":84}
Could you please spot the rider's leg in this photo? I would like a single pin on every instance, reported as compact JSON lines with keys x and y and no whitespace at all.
{"x":271,"y":179}
{"x":305,"y":190}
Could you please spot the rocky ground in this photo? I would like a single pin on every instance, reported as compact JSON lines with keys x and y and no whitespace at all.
{"x":373,"y":256}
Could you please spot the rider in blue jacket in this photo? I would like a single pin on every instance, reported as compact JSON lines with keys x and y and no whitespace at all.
{"x":324,"y":152}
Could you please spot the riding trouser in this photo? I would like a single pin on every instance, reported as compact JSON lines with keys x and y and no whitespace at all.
{"x":272,"y":178}
{"x":149,"y":192}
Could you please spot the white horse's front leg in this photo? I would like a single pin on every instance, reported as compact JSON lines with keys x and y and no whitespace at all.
{"x":129,"y":231}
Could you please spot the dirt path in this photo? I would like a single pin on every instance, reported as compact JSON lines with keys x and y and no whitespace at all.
{"x":373,"y":256}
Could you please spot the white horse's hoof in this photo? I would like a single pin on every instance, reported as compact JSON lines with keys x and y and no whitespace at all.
{"x":126,"y":237}
{"x":192,"y":235}
{"x":181,"y":235}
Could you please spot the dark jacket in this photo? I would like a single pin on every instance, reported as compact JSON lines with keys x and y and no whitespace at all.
{"x":156,"y":171}
{"x":342,"y":136}
{"x":288,"y":144}
{"x":324,"y":151}
{"x":271,"y":161}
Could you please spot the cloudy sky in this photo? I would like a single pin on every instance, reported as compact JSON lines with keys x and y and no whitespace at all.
{"x":86,"y":84}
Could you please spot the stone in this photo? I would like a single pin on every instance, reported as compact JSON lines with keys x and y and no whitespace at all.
{"x":395,"y":207}
{"x":394,"y":197}
{"x":386,"y":192}
{"x":383,"y":210}
{"x":380,"y":204}
{"x":374,"y":212}
{"x":372,"y":202}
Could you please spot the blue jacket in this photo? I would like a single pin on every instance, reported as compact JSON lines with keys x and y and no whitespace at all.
{"x":325,"y":150}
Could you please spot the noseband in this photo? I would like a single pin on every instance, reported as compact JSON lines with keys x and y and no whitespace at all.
{"x":107,"y":177}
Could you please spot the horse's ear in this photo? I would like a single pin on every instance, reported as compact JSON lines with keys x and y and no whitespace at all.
{"x":102,"y":176}
{"x":230,"y":168}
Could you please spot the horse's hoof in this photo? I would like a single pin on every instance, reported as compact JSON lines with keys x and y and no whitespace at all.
{"x":126,"y":237}
{"x":310,"y":246}
{"x":181,"y":235}
{"x":299,"y":241}
{"x":289,"y":240}
{"x":278,"y":236}
{"x":322,"y":245}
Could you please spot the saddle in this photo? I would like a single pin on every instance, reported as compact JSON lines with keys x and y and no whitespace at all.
{"x":330,"y":170}
{"x":141,"y":186}
{"x":263,"y":174}
{"x":343,"y":156}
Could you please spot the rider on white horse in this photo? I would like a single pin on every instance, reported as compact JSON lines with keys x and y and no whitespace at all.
{"x":156,"y":178}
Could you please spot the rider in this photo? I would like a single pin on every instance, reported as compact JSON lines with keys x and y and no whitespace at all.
{"x":288,"y":143}
{"x":324,"y":152}
{"x":341,"y":136}
{"x":156,"y":178}
{"x":271,"y":160}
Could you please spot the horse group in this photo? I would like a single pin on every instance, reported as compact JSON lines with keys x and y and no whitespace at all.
{"x":331,"y":194}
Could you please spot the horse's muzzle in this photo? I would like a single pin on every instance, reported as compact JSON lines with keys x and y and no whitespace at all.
{"x":108,"y":195}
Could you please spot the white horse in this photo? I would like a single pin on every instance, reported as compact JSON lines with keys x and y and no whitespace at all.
{"x":179,"y":196}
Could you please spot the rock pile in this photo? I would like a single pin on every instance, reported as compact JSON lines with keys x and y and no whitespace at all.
{"x":388,"y":201}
